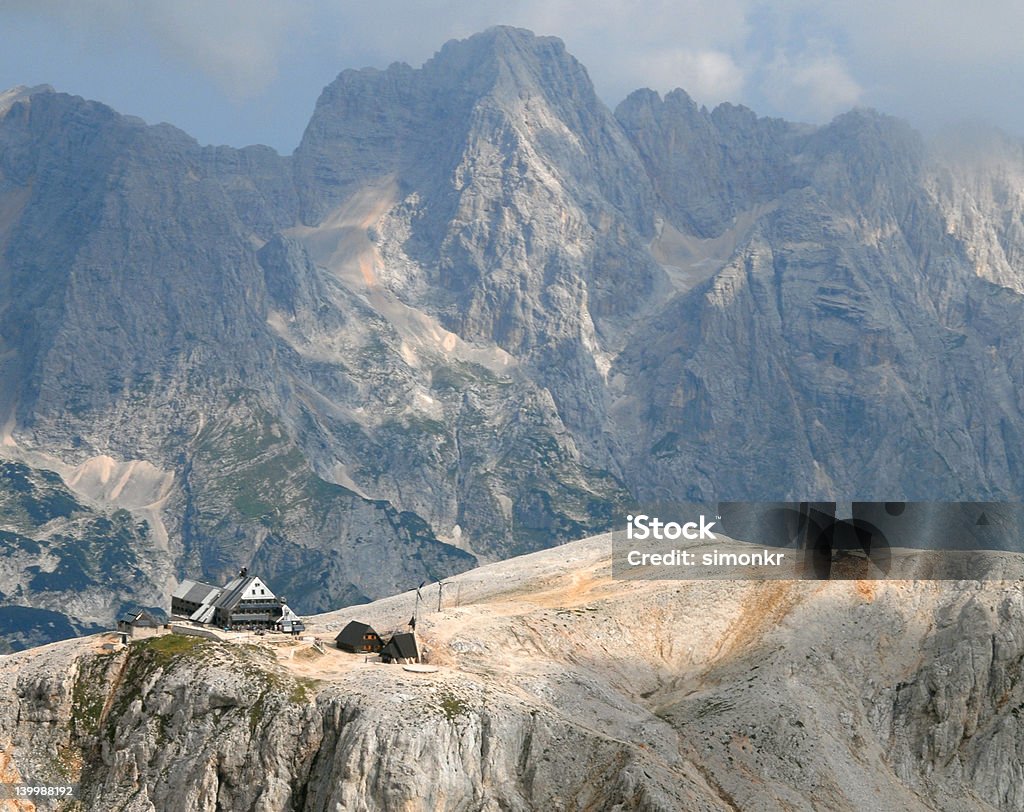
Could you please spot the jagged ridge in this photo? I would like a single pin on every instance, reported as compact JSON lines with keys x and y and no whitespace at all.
{"x":476,"y":314}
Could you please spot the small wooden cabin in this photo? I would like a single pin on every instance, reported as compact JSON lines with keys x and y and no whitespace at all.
{"x":401,"y":648}
{"x":359,"y":638}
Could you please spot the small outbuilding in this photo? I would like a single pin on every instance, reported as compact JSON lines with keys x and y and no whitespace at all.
{"x":289,"y":622}
{"x":401,"y":648}
{"x":359,"y":638}
{"x":138,"y":623}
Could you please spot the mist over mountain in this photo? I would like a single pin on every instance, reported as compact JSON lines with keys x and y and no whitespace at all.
{"x":477,"y":313}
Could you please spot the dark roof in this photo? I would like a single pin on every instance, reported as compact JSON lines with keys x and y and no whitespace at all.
{"x":353,"y":633}
{"x":139,"y":617}
{"x":234,"y":591}
{"x":194,"y":591}
{"x":232,"y":594}
{"x":402,"y":645}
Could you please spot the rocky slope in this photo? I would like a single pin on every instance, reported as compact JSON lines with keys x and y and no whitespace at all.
{"x":557,"y":688}
{"x":74,"y":562}
{"x":476,"y":313}
{"x":979,"y":184}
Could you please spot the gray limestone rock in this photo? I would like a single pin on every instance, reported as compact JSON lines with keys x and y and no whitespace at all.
{"x":556,"y":687}
{"x":477,"y":314}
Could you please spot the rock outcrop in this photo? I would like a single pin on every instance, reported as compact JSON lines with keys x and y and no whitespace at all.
{"x":556,"y":687}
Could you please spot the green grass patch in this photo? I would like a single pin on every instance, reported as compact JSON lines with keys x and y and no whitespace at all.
{"x":167,"y":647}
{"x":453,"y":706}
{"x":303,"y":690}
{"x":88,"y":695}
{"x":250,"y":506}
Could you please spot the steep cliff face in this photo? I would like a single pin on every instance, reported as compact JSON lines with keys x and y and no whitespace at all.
{"x":166,"y":310}
{"x":476,"y":314}
{"x":837,"y":350}
{"x":557,"y":688}
{"x":709,"y":167}
{"x":979,"y":184}
{"x":516,"y":207}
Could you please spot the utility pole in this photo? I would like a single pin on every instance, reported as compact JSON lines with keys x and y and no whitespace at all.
{"x":416,"y":608}
{"x":440,"y":587}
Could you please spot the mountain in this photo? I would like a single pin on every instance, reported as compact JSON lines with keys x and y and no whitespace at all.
{"x":557,"y":687}
{"x":477,"y":313}
{"x":831,"y":338}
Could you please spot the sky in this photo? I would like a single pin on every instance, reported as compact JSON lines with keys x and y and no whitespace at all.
{"x":249,"y":71}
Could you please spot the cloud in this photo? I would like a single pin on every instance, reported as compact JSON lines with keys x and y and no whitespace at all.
{"x":709,"y":76}
{"x":662,"y":44}
{"x":804,"y":59}
{"x":811,"y":86}
{"x":949,"y":32}
{"x":237,"y":45}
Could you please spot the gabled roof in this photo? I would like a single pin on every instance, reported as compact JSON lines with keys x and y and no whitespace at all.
{"x":195,"y":591}
{"x":139,"y":617}
{"x":403,"y":646}
{"x":234,"y":591}
{"x":353,"y":633}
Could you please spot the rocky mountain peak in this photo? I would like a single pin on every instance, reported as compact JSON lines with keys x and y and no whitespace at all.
{"x":504,"y":89}
{"x":707,"y":168}
{"x":21,"y":93}
{"x":512,"y":65}
{"x":497,"y":137}
{"x":475,"y":313}
{"x":866,"y":159}
{"x":517,"y":50}
{"x":978,"y":181}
